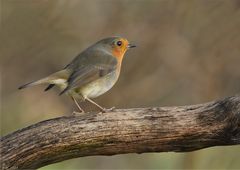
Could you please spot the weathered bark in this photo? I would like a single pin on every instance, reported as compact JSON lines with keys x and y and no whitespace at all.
{"x":140,"y":130}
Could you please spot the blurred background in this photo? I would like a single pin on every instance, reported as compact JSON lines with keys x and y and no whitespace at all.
{"x":188,"y":52}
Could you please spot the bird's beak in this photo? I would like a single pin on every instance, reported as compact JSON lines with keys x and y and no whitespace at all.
{"x":131,"y":46}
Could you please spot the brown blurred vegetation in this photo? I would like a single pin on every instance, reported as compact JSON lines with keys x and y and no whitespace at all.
{"x":188,"y":52}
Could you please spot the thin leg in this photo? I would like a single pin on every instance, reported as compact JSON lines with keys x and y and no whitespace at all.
{"x":75,"y":101}
{"x":100,"y":107}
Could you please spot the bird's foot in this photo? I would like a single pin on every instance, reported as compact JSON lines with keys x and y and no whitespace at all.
{"x":74,"y":113}
{"x":104,"y":110}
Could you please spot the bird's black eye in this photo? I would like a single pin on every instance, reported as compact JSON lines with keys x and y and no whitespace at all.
{"x":119,"y":43}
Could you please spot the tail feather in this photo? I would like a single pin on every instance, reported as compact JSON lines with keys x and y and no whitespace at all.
{"x":64,"y":91}
{"x":33,"y":83}
{"x":55,"y":78}
{"x":25,"y":85}
{"x":49,"y":87}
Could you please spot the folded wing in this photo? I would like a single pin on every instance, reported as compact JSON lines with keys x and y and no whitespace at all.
{"x":91,"y":69}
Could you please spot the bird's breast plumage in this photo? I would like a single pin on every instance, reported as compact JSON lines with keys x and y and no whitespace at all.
{"x":99,"y":86}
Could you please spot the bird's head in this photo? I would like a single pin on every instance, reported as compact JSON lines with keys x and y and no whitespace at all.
{"x":117,"y":46}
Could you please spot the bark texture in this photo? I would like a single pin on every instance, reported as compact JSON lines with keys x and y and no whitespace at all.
{"x":138,"y":130}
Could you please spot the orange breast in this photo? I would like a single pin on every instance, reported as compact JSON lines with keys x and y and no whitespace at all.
{"x":118,"y":53}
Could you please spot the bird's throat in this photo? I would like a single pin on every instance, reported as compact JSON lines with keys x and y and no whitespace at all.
{"x":119,"y":55}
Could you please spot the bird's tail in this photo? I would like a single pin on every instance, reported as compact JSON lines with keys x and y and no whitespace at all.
{"x":33,"y":83}
{"x":51,"y":79}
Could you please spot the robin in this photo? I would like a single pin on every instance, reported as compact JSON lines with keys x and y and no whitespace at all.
{"x":90,"y":74}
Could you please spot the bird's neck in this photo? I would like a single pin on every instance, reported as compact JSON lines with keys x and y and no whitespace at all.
{"x":119,"y":55}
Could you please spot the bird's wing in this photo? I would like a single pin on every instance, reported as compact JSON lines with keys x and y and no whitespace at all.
{"x":98,"y":66}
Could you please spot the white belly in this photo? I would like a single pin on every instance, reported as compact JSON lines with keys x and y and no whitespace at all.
{"x":93,"y":89}
{"x":100,"y":86}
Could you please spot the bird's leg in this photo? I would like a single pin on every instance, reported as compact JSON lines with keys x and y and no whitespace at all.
{"x":94,"y":103}
{"x":81,"y":110}
{"x":100,"y":107}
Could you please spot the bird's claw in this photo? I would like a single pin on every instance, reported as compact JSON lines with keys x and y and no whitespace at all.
{"x":74,"y":113}
{"x":104,"y":110}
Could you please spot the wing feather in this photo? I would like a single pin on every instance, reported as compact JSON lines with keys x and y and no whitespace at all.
{"x":86,"y":73}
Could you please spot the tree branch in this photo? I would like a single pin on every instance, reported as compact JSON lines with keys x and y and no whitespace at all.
{"x":140,"y":130}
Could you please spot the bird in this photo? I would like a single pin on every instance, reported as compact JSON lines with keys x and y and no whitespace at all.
{"x":91,"y":73}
